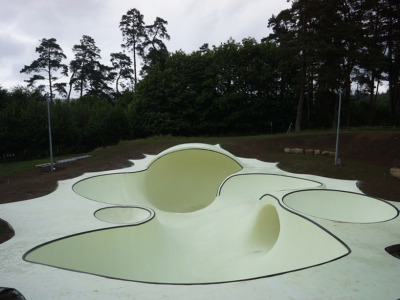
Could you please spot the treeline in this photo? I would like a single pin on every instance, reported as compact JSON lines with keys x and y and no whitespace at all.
{"x":230,"y":89}
{"x":335,"y":45}
{"x":239,"y":88}
{"x":288,"y":81}
{"x":78,"y":126}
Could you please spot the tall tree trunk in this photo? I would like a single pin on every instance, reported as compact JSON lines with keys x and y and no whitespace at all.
{"x":299,"y":115}
{"x":134,"y":64}
{"x":50,"y":83}
{"x":393,"y":75}
{"x":117,"y":83}
{"x":70,"y":87}
{"x":300,"y":105}
{"x":81,"y":89}
{"x":82,"y":76}
{"x":69,"y":92}
{"x":371,"y":107}
{"x":310,"y":96}
{"x":347,"y":97}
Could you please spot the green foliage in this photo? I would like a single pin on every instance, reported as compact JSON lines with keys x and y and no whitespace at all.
{"x":229,"y":89}
{"x":49,"y":63}
{"x":22,"y":123}
{"x":122,"y":70}
{"x":134,"y":35}
{"x":289,"y":79}
{"x":143,"y":40}
{"x":335,"y":44}
{"x":88,"y":74}
{"x":78,"y":126}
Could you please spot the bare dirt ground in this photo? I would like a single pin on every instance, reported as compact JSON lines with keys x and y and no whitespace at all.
{"x":366,"y":157}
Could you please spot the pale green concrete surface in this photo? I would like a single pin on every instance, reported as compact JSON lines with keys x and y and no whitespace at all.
{"x":132,"y":215}
{"x":197,"y":214}
{"x":340,"y":206}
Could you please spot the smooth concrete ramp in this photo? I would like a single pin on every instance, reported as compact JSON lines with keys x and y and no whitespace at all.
{"x":241,"y":242}
{"x":180,"y":181}
{"x":210,"y":225}
{"x":340,"y":206}
{"x":196,"y":214}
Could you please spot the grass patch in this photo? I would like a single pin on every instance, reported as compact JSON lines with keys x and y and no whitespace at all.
{"x":14,"y":167}
{"x":18,"y":166}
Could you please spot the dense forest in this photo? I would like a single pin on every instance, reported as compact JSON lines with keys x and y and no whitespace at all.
{"x":290,"y":80}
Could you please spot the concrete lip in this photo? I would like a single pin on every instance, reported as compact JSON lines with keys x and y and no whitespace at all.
{"x":252,"y":185}
{"x":132,"y":215}
{"x":340,"y":206}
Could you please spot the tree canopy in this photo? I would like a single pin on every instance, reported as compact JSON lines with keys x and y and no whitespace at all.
{"x":50,"y":64}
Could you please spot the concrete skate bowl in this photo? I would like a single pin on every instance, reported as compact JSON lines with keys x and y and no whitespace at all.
{"x":240,"y":242}
{"x":341,"y":206}
{"x":190,"y":219}
{"x":132,"y":215}
{"x":255,"y":185}
{"x":179,"y":181}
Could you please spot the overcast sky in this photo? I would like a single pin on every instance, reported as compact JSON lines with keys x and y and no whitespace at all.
{"x":191,"y":23}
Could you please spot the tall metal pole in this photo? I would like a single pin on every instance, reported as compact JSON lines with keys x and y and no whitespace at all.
{"x":50,"y":142}
{"x":337,"y":131}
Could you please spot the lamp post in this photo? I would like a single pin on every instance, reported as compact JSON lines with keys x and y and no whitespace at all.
{"x":50,"y":142}
{"x":337,"y":160}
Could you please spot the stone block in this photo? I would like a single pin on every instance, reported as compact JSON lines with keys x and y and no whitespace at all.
{"x":325,"y":153}
{"x":309,"y":151}
{"x":297,"y":151}
{"x":395,"y":172}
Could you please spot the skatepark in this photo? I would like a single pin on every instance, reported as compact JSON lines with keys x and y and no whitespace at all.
{"x":196,"y":221}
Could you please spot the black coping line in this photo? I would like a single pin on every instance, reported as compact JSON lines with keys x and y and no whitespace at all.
{"x":308,"y":219}
{"x":102,"y":175}
{"x":148,"y":209}
{"x":264,"y":174}
{"x":82,"y":233}
{"x":190,"y":283}
{"x":201,"y":149}
{"x":342,"y":191}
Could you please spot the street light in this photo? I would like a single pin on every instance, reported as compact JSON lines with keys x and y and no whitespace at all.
{"x":50,"y":142}
{"x":337,"y":160}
